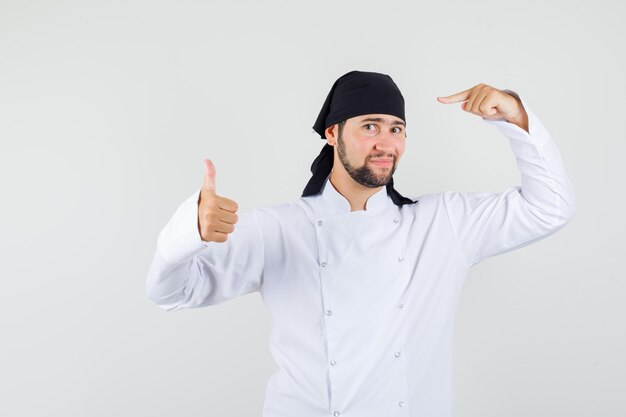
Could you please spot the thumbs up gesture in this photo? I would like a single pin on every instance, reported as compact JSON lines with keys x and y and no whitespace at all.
{"x":216,"y":215}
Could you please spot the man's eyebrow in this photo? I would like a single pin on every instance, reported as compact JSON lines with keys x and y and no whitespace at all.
{"x":381,"y":120}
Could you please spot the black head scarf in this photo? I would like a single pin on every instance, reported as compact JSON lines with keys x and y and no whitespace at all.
{"x":354,"y":94}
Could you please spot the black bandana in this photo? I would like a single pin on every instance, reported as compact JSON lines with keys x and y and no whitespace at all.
{"x":354,"y":94}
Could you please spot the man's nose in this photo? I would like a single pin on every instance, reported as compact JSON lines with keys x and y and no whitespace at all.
{"x":385,"y":143}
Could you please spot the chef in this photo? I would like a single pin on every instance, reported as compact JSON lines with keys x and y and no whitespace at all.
{"x":361,"y":282}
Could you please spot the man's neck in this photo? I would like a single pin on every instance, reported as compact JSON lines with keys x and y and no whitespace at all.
{"x":356,"y":194}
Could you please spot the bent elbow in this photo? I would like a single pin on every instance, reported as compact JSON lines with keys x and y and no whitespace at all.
{"x":165,"y":297}
{"x":568,"y":211}
{"x":565,"y":215}
{"x":163,"y":302}
{"x":570,"y":215}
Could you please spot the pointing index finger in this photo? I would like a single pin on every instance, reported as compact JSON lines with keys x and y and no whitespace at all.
{"x":455,"y":98}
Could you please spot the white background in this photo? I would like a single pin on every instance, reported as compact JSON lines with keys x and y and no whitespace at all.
{"x":107,"y":109}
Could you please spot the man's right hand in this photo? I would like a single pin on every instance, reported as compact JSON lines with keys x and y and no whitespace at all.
{"x":216,"y":215}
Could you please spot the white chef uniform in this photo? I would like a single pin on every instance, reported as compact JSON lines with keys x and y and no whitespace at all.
{"x":363,"y":302}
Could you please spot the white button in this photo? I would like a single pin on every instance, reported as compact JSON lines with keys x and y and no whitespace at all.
{"x":401,"y":404}
{"x":396,"y":220}
{"x":401,"y":305}
{"x":324,"y":264}
{"x":336,"y":413}
{"x":328,"y":312}
{"x":397,"y":354}
{"x":333,"y":363}
{"x":400,"y":258}
{"x":320,"y":222}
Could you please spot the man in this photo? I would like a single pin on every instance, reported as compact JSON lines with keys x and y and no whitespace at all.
{"x":362,"y":283}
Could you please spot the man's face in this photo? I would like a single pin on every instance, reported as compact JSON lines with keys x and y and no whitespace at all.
{"x":370,"y":146}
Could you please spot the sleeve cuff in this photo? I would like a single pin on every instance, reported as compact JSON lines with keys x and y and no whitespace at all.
{"x":537,"y":133}
{"x":180,"y":239}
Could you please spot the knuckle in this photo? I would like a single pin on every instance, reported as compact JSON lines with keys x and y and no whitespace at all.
{"x":210,"y":219}
{"x":210,"y":204}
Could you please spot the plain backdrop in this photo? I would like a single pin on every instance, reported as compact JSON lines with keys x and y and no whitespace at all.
{"x":107,"y":109}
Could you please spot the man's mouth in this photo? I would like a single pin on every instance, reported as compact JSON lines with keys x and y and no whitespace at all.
{"x":382,"y":161}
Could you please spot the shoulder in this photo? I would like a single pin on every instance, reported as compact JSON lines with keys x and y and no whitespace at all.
{"x":283,"y":213}
{"x":425,"y":201}
{"x":433,"y":205}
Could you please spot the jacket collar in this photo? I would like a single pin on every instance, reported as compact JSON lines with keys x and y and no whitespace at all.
{"x":335,"y":203}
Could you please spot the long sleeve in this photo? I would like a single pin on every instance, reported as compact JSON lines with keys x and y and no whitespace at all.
{"x":187,"y":272}
{"x":488,"y":224}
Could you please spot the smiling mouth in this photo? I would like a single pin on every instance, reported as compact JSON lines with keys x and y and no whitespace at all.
{"x":382,"y":162}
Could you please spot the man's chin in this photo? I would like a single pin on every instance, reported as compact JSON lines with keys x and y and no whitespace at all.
{"x":374,"y":178}
{"x":384,"y":178}
{"x":379,"y":183}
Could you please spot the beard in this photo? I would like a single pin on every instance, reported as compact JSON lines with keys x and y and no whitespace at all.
{"x":364,"y":175}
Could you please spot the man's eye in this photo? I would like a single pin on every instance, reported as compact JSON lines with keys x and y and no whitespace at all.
{"x":397,"y":130}
{"x":369,"y":124}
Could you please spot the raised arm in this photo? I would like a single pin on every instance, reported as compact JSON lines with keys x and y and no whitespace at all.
{"x":187,"y":271}
{"x":488,"y":224}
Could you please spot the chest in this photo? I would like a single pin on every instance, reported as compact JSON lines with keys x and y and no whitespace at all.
{"x":364,"y":262}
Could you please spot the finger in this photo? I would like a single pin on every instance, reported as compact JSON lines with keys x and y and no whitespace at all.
{"x":228,"y":217}
{"x":455,"y":98}
{"x":227,"y":204}
{"x":223,"y":227}
{"x":218,"y":237}
{"x":209,"y":176}
{"x":488,"y":106}
{"x":467,"y":106}
{"x":476,"y":103}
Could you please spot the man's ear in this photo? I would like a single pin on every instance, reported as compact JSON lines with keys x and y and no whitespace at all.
{"x":331,"y":134}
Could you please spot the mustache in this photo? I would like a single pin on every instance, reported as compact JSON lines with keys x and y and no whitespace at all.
{"x":382,"y":156}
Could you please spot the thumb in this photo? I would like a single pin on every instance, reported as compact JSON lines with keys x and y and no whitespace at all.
{"x":209,"y":176}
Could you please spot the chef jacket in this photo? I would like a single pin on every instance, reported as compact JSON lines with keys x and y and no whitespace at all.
{"x":362,"y":303}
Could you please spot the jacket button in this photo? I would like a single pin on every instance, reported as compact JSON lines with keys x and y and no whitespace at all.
{"x":396,"y":220}
{"x":328,"y":312}
{"x":320,"y":222}
{"x":400,"y":258}
{"x":323,"y":264}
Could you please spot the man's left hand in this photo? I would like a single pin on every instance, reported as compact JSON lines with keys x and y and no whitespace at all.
{"x":490,"y":103}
